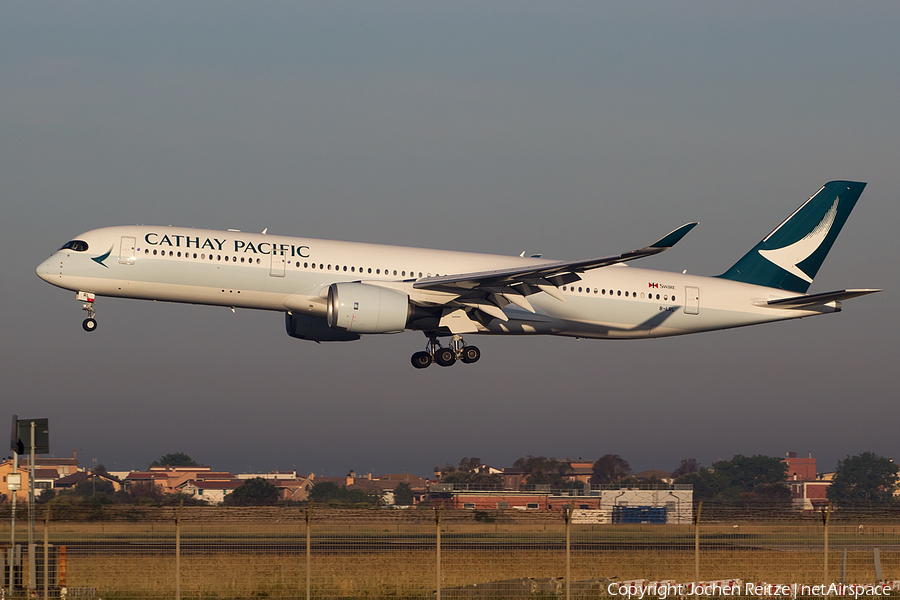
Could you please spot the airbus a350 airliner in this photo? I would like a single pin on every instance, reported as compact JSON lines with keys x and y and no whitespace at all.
{"x":337,"y":291}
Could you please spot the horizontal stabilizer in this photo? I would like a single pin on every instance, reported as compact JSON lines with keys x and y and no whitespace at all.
{"x":818,"y":299}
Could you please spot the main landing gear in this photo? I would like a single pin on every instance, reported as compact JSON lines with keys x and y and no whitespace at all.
{"x":445,"y":357}
{"x":89,"y":324}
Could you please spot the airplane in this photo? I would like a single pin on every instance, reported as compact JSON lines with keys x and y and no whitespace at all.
{"x":333,"y":291}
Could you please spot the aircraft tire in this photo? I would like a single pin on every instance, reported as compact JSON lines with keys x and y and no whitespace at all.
{"x":445,"y":357}
{"x":471,"y":354}
{"x":89,"y":325}
{"x":421,"y":360}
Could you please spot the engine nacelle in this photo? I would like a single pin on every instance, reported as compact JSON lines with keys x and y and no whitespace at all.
{"x":363,"y":308}
{"x":315,"y":329}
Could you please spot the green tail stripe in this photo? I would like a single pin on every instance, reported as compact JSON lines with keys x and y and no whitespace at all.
{"x":790,"y":256}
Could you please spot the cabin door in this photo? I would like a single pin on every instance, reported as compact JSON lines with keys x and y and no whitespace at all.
{"x":126,"y":251}
{"x":277,"y":269}
{"x":692,"y":300}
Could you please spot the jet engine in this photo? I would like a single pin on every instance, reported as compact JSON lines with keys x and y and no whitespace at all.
{"x":314,"y":329}
{"x":364,"y":308}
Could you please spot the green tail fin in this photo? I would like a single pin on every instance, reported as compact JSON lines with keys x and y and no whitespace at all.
{"x":790,"y":256}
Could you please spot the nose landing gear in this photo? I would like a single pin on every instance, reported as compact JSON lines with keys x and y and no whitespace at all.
{"x":445,"y":356}
{"x":89,"y":324}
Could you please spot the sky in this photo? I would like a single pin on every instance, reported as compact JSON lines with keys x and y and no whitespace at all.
{"x":570,"y":129}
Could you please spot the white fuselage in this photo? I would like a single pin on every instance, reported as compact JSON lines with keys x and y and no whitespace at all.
{"x":290,"y":274}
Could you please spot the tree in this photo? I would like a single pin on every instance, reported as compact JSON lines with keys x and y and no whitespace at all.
{"x":754,"y":479}
{"x":253,"y":492}
{"x":403,"y":495}
{"x":176,"y":459}
{"x":688,"y":465}
{"x":94,"y":486}
{"x":540,"y":470}
{"x":330,"y":492}
{"x":863,"y":480}
{"x":470,"y":473}
{"x":469,"y":464}
{"x":145,"y":492}
{"x":46,"y":495}
{"x":610,"y":468}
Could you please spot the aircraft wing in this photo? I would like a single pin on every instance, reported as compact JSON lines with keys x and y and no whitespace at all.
{"x":513,"y":284}
{"x":818,"y":299}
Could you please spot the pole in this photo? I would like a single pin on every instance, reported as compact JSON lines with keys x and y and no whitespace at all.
{"x":437,"y":520}
{"x":568,"y":552}
{"x":826,"y":515}
{"x":697,"y":549}
{"x":178,"y":552}
{"x":308,"y":552}
{"x":12,"y":534}
{"x":31,"y":566}
{"x":47,"y":553}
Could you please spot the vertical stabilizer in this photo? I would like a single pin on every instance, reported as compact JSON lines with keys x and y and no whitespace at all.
{"x":790,"y":256}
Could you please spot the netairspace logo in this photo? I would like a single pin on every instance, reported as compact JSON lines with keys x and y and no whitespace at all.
{"x":639,"y":589}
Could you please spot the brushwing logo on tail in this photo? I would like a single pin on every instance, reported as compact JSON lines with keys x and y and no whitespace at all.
{"x":792,"y":255}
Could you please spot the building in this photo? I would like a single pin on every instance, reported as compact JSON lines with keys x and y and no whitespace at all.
{"x":170,"y":479}
{"x":808,"y":488}
{"x":46,"y":472}
{"x":582,"y":471}
{"x":593,"y":504}
{"x":211,"y":492}
{"x":70,"y":481}
{"x":653,"y":475}
{"x":800,"y":469}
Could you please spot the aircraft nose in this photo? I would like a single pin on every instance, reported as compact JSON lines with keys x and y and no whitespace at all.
{"x":45,"y":270}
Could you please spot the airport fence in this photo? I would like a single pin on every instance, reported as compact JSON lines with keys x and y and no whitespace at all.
{"x":311,"y":552}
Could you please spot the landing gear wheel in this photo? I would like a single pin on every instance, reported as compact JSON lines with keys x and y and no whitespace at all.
{"x":421,"y":360}
{"x":89,"y":324}
{"x":445,"y":357}
{"x":470,"y":354}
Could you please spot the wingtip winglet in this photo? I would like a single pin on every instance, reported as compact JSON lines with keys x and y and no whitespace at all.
{"x":674,"y":237}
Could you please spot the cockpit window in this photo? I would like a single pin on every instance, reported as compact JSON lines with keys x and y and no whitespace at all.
{"x":76,"y":245}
